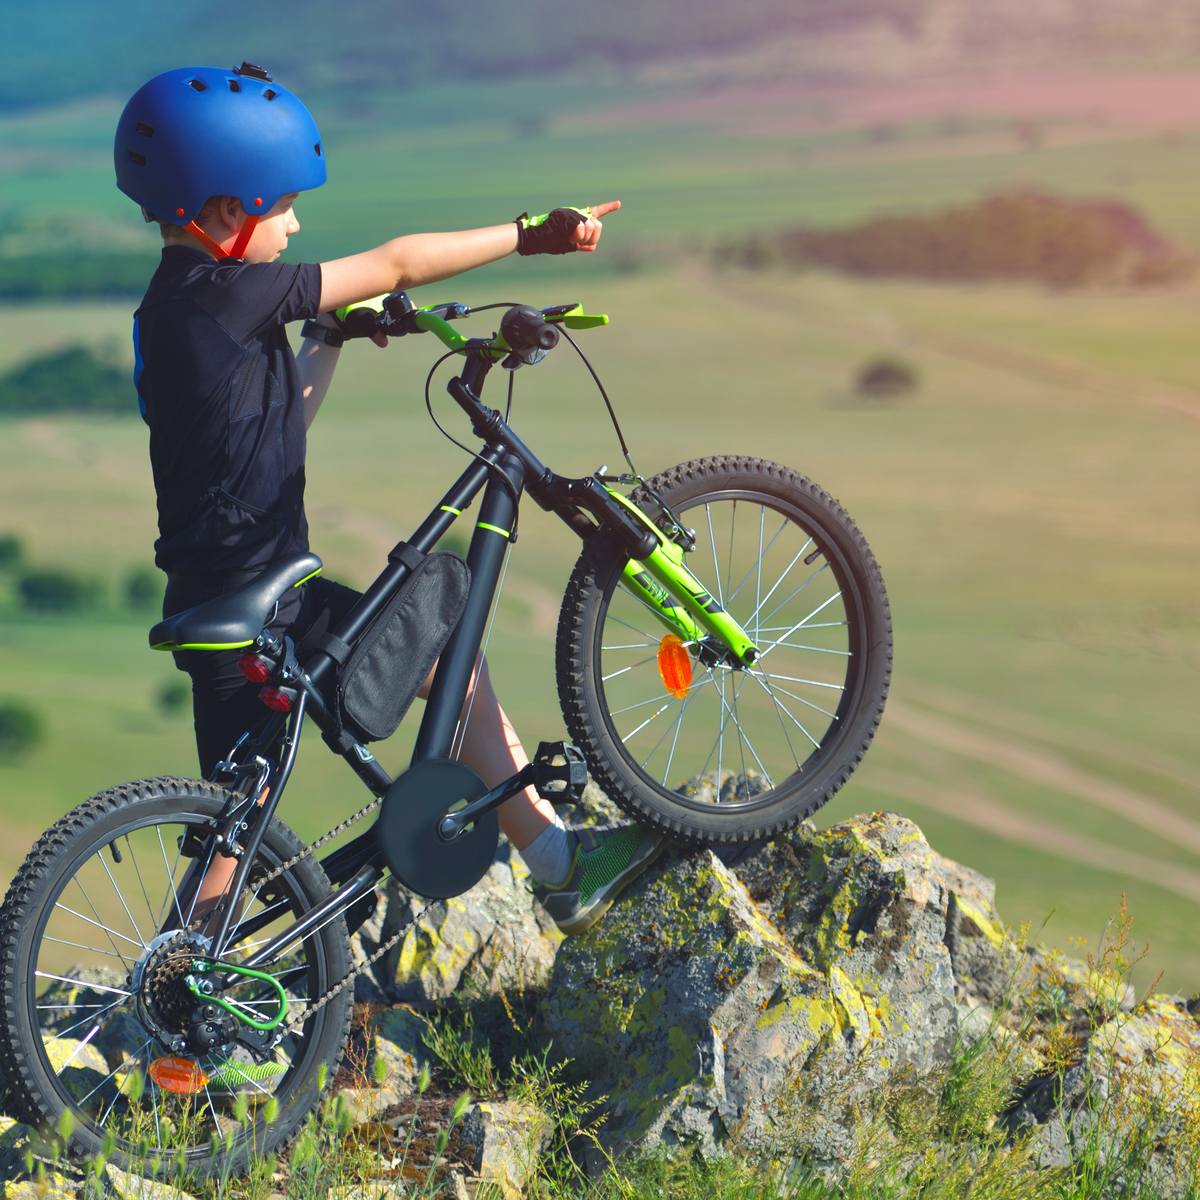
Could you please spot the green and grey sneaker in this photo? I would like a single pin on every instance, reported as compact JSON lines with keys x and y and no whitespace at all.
{"x":604,"y":858}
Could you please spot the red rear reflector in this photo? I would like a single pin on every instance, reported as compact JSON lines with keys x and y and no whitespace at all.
{"x":178,"y":1075}
{"x":255,"y":669}
{"x":276,"y":698}
{"x":674,"y":665}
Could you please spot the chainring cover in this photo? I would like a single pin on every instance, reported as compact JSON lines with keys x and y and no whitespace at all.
{"x":415,"y":852}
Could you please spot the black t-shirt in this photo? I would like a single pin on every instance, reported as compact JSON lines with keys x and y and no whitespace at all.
{"x":220,"y":391}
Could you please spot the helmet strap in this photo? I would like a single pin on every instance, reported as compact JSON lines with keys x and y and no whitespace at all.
{"x":243,"y":237}
{"x":215,"y":248}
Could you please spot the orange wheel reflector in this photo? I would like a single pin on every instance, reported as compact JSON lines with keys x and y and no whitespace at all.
{"x":178,"y":1075}
{"x":674,"y":665}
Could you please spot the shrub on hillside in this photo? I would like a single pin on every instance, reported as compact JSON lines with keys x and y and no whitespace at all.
{"x":72,"y":380}
{"x":1015,"y":236}
{"x":885,"y":376}
{"x":54,"y":591}
{"x":143,"y":589}
{"x":20,"y":730}
{"x":34,"y":276}
{"x":173,"y":697}
{"x":12,"y":552}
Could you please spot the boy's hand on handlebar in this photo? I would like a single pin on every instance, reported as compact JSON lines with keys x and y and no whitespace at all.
{"x":563,"y":230}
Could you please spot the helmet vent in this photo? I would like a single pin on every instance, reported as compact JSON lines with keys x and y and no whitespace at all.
{"x":198,"y":85}
{"x":135,"y":157}
{"x":145,"y":130}
{"x":317,"y":148}
{"x":269,"y":94}
{"x":234,"y":86}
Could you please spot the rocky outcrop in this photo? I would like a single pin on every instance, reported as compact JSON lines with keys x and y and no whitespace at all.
{"x":715,"y":982}
{"x":493,"y":936}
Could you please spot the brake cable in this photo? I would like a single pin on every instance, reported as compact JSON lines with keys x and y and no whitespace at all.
{"x":607,"y":402}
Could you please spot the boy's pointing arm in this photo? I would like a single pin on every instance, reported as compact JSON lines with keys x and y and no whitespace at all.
{"x":420,"y":258}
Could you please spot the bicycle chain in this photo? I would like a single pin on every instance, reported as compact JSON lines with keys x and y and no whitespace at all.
{"x":259,"y":883}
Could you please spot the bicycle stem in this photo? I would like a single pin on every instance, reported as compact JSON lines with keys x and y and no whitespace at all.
{"x":651,"y":552}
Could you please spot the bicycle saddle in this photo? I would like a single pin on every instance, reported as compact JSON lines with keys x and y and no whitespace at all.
{"x":235,"y":619}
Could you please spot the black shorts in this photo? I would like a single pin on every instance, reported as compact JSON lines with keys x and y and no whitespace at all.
{"x":224,"y":703}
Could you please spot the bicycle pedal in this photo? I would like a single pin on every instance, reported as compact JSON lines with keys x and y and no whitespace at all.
{"x":571,"y":773}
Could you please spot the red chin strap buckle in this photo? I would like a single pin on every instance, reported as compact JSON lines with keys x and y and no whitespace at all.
{"x":239,"y":247}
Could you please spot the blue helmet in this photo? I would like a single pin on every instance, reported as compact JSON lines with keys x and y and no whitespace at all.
{"x":201,"y":131}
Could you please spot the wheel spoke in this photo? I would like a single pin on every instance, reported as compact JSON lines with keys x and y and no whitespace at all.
{"x":81,"y":946}
{"x":121,"y":898}
{"x":801,"y":624}
{"x":837,"y":687}
{"x":712,"y":541}
{"x":83,"y":983}
{"x":108,"y":933}
{"x":786,"y":734}
{"x":761,"y":679}
{"x":757,"y":564}
{"x":780,"y":705}
{"x":170,"y":870}
{"x":98,"y":924}
{"x":154,"y":921}
{"x":79,"y":1024}
{"x":775,"y":587}
{"x":788,"y":599}
{"x":623,"y":670}
{"x":635,"y":628}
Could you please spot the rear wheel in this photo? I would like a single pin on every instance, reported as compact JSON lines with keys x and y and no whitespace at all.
{"x":702,"y":747}
{"x":93,"y":963}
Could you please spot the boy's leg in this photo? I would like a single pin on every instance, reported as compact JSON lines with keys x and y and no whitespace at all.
{"x":577,"y":873}
{"x":225,"y":704}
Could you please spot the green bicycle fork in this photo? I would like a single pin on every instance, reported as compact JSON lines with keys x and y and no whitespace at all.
{"x":677,"y":598}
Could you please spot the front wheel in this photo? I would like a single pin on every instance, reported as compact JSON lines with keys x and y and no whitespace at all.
{"x":704,"y":748}
{"x":98,"y":937}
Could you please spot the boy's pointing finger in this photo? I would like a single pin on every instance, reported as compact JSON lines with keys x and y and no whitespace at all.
{"x":601,"y":210}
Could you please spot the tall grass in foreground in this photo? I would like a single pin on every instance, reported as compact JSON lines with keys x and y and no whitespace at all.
{"x":938,"y":1134}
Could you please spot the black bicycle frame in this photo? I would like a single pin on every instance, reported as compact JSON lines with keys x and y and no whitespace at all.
{"x":504,"y":468}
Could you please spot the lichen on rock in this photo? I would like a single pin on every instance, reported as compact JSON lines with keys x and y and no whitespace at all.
{"x":494,"y":935}
{"x":716,"y":980}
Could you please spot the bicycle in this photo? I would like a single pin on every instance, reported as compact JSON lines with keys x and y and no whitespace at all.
{"x":719,"y":681}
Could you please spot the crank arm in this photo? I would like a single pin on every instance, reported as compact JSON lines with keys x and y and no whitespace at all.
{"x":542,"y":771}
{"x":453,"y":824}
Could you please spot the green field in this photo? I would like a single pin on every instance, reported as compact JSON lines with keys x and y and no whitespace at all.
{"x":1035,"y":506}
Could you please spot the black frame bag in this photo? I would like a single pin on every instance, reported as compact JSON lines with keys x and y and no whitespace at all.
{"x":379,"y":679}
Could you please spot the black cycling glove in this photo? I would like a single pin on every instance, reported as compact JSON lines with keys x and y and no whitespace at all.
{"x":551,"y":232}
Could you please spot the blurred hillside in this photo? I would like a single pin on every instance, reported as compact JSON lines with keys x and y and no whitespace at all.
{"x":62,"y":49}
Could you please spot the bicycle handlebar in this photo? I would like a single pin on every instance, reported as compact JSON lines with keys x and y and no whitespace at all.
{"x":524,"y":330}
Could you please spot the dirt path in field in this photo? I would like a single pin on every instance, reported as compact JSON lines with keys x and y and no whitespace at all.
{"x":1073,"y":737}
{"x":1047,"y":771}
{"x":982,"y":813}
{"x":1045,"y":369}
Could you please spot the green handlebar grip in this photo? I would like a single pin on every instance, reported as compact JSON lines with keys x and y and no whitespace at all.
{"x":450,"y":337}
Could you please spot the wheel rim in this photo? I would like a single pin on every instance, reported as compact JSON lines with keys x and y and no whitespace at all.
{"x":93,"y":956}
{"x":738,"y":737}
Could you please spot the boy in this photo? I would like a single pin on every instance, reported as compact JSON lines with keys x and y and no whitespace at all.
{"x":217,"y":159}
